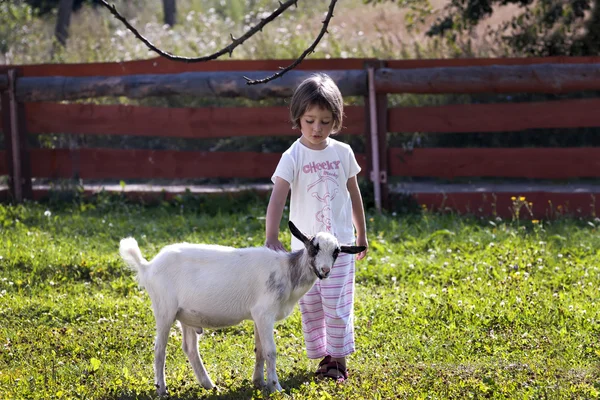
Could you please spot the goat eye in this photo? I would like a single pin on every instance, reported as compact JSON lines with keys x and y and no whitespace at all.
{"x":314,"y":249}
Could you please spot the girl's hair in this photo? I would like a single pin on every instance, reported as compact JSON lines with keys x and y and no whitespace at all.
{"x":317,"y":90}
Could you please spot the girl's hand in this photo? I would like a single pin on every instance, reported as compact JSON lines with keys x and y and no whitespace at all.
{"x":274,"y":244}
{"x":362,"y":241}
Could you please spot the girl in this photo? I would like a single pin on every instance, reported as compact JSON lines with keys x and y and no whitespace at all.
{"x":321,"y":173}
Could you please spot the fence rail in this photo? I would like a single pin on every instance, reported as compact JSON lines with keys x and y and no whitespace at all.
{"x":31,"y":105}
{"x":207,"y":122}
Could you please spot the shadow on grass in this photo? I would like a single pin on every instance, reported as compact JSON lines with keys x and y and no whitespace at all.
{"x":246,"y":391}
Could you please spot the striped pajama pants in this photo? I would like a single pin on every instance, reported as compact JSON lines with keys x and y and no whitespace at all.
{"x":328,"y":312}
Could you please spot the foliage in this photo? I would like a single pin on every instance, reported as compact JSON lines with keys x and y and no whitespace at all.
{"x":12,"y":20}
{"x":446,"y":307}
{"x":540,"y":28}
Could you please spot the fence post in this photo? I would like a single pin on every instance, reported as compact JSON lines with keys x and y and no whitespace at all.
{"x":376,"y":144}
{"x":15,"y":139}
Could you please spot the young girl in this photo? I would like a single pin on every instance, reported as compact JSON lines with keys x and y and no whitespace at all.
{"x":321,"y":173}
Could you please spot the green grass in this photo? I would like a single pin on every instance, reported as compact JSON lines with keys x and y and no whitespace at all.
{"x":446,"y":307}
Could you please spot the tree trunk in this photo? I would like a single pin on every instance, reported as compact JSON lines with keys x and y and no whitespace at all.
{"x":170,"y":12}
{"x":63,"y":20}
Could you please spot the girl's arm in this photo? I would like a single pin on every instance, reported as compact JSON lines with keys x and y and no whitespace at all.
{"x":358,"y":216}
{"x":275,"y":212}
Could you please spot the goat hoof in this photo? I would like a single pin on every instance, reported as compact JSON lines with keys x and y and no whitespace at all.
{"x":259,"y":383}
{"x":274,"y":387}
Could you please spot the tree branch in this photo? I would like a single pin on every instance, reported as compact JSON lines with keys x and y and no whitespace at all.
{"x":306,"y":52}
{"x":235,"y":42}
{"x":226,"y":50}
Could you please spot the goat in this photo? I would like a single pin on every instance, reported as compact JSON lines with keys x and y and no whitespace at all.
{"x":212,"y":286}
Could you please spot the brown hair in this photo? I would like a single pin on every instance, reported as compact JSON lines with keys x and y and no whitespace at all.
{"x":317,"y":90}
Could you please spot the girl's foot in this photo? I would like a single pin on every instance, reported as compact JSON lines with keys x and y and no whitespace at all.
{"x":332,"y":370}
{"x":322,"y":369}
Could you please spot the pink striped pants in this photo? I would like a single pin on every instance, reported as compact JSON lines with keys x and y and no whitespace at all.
{"x":328,"y":312}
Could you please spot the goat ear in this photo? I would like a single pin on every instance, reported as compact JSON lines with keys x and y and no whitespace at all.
{"x":352,"y":249}
{"x":297,"y":233}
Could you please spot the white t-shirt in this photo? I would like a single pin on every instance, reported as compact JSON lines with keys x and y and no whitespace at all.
{"x":320,"y":201}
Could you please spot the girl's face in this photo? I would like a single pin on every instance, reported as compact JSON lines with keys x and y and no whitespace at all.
{"x":316,"y":125}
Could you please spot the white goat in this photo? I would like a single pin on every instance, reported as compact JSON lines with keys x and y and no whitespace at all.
{"x":210,"y":286}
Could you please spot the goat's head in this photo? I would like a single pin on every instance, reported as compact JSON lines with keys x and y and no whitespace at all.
{"x":323,"y":249}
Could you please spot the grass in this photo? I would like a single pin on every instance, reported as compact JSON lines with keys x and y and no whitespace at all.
{"x":446,"y":307}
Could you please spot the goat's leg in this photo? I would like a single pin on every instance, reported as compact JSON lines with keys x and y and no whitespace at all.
{"x":264,"y":325}
{"x":190,"y":348}
{"x":160,"y":351}
{"x":259,"y":367}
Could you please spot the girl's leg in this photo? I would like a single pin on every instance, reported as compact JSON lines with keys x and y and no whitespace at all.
{"x":313,"y":322}
{"x":337,"y":293}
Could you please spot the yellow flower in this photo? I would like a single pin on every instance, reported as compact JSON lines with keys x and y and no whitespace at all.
{"x":522,"y":198}
{"x":513,"y":198}
{"x":535,"y":221}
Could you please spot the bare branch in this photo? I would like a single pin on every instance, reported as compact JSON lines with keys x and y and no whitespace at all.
{"x":235,"y":42}
{"x":306,"y":52}
{"x":226,"y":50}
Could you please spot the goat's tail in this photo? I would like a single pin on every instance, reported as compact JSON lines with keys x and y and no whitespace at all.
{"x":131,"y":254}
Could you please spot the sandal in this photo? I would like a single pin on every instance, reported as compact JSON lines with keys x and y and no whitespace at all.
{"x":322,"y":369}
{"x":332,"y":370}
{"x":336,"y":371}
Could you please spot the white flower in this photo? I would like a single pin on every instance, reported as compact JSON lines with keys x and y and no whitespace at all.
{"x":47,"y":213}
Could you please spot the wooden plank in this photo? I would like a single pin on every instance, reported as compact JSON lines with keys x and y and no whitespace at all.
{"x":539,"y":163}
{"x":153,"y":164}
{"x":200,"y":84}
{"x":160,"y":65}
{"x":210,"y":122}
{"x":540,"y":78}
{"x":457,"y":118}
{"x":15,"y":141}
{"x":473,"y":62}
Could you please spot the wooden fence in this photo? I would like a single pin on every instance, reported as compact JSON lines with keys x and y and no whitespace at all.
{"x":31,"y":97}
